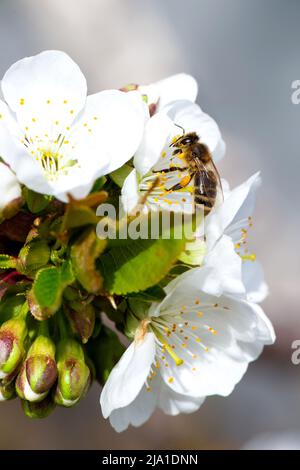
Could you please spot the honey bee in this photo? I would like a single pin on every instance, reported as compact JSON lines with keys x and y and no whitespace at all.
{"x":201,"y":169}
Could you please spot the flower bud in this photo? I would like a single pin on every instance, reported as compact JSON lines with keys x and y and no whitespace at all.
{"x":7,"y":391}
{"x":38,"y":410}
{"x":39,"y":371}
{"x":82,"y":319}
{"x":12,"y":335}
{"x":74,"y":377}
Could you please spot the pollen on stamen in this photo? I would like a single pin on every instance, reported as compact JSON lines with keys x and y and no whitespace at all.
{"x":22,"y":101}
{"x":48,"y":101}
{"x":212,"y":330}
{"x":170,"y":380}
{"x":65,"y":101}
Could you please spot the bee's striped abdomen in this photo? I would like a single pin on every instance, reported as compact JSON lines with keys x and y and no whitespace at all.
{"x":205,"y":184}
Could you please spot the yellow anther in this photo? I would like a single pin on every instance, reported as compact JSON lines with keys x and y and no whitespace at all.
{"x":170,"y":380}
{"x":250,"y":257}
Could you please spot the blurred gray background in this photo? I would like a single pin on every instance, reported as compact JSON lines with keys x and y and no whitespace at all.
{"x":245,"y":55}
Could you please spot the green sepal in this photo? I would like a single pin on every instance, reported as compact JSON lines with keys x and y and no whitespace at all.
{"x":84,"y":253}
{"x":45,"y":297}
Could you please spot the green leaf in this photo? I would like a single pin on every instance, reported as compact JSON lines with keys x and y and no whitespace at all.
{"x":10,"y":307}
{"x":119,"y":176}
{"x":80,"y":212}
{"x":45,"y":296}
{"x":84,"y":253}
{"x":153,"y":294}
{"x":99,"y":183}
{"x":78,"y":216}
{"x":7,"y":262}
{"x":36,"y":202}
{"x":136,"y":265}
{"x":33,"y":256}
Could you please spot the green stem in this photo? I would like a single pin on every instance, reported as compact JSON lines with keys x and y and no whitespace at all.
{"x":24,"y":311}
{"x":44,"y":328}
{"x":63,"y":330}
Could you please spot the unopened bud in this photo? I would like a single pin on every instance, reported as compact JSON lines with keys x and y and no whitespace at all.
{"x":82,"y":319}
{"x":38,"y":410}
{"x":74,"y":377}
{"x":39,"y":371}
{"x":7,"y":387}
{"x":12,"y":335}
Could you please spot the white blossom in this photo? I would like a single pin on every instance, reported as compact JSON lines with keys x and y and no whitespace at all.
{"x":57,"y":140}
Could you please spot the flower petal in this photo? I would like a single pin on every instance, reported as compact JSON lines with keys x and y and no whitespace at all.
{"x":217,"y":347}
{"x":10,"y":188}
{"x":253,"y":279}
{"x":113,"y":122}
{"x":128,"y":376}
{"x":136,"y":413}
{"x":156,"y":137}
{"x":173,"y":403}
{"x":45,"y":91}
{"x":176,"y":87}
{"x":193,"y":119}
{"x":130,"y":192}
{"x":226,"y":276}
{"x":232,"y":216}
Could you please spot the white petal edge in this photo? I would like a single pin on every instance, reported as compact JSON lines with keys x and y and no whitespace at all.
{"x":128,"y":376}
{"x":10,"y":188}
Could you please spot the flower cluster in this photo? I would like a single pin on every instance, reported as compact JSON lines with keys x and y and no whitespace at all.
{"x":71,"y":300}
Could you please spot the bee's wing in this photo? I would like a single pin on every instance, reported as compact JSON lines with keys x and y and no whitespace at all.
{"x":204,"y":176}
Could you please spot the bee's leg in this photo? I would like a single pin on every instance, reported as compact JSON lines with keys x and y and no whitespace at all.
{"x":172,"y":168}
{"x":182,"y":183}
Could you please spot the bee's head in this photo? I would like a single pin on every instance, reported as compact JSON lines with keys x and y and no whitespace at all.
{"x":185,"y":140}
